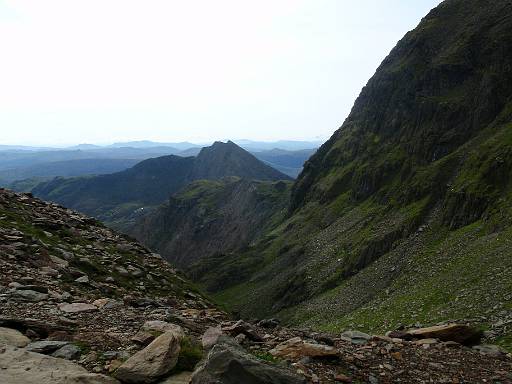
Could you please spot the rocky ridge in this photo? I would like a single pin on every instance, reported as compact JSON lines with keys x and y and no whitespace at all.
{"x":212,"y":217}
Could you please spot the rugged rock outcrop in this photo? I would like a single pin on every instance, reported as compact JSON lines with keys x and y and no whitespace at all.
{"x":209,"y":218}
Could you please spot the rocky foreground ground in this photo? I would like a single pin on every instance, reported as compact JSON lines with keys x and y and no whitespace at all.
{"x":80,"y":303}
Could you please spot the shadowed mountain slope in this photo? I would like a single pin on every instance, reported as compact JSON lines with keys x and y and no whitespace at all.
{"x":210,"y":217}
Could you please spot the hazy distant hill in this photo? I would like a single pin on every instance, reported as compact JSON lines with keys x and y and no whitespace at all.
{"x":10,"y":159}
{"x":152,"y":144}
{"x":286,"y":161}
{"x":67,"y":168}
{"x":116,"y":197}
{"x":289,"y":145}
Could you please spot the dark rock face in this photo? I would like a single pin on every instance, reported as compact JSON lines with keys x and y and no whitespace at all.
{"x":439,"y":87}
{"x":227,"y":363}
{"x":209,"y":218}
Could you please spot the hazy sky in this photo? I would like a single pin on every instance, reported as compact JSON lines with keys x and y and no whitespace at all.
{"x":99,"y":71}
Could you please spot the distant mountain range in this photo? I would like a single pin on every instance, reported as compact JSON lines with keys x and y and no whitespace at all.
{"x":22,"y":163}
{"x":117,"y":198}
{"x":251,"y":145}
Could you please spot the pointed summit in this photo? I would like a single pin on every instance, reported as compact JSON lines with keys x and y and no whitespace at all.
{"x":230,"y":159}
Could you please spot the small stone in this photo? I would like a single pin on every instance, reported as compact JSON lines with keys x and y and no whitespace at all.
{"x":342,"y":378}
{"x":68,"y":352}
{"x":356,"y":337}
{"x":245,"y":328}
{"x":240,"y":338}
{"x":143,"y":338}
{"x":491,"y":350}
{"x":122,"y":271}
{"x":61,"y":263}
{"x":159,"y":326}
{"x":83,"y":280}
{"x":49,"y":271}
{"x":297,"y":348}
{"x":460,"y":333}
{"x":77,"y":307}
{"x":426,"y":341}
{"x":29,"y":295}
{"x":114,"y":365}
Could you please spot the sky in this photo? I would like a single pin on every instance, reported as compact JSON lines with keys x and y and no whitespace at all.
{"x":102,"y":71}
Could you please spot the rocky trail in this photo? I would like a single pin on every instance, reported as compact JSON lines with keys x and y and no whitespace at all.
{"x":80,"y":303}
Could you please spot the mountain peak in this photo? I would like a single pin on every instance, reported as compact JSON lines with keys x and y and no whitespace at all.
{"x":222,"y":146}
{"x":229,"y":159}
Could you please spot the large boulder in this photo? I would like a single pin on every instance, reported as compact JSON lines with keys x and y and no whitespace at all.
{"x":297,"y":348}
{"x":18,"y":366}
{"x":154,"y":361}
{"x":13,"y":337}
{"x":229,"y":363}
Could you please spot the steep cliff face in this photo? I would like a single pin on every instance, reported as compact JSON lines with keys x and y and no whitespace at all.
{"x":210,"y":217}
{"x":408,"y":206}
{"x":443,"y":84}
